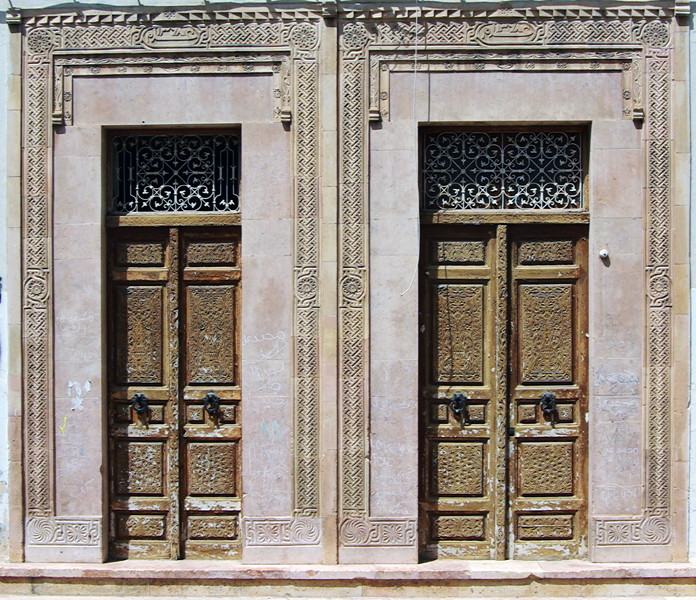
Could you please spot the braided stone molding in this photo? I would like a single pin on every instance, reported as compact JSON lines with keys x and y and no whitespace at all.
{"x":59,"y":47}
{"x":375,"y":42}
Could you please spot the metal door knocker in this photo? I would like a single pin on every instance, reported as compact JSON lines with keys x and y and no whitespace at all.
{"x":547,"y":401}
{"x":140,"y":405}
{"x":459,"y":407}
{"x":211,"y":403}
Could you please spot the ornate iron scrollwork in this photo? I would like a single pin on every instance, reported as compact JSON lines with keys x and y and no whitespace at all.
{"x":175,"y":173}
{"x":479,"y":170}
{"x":211,"y":403}
{"x":459,"y":405}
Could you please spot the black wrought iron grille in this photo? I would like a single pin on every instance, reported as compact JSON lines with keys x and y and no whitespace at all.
{"x":175,"y":173}
{"x":478,"y":170}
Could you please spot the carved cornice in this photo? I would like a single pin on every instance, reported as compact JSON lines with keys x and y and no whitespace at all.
{"x":179,"y":17}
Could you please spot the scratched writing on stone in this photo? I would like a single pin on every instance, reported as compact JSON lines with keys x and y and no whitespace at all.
{"x":608,"y":383}
{"x":78,"y":324}
{"x":264,"y":363}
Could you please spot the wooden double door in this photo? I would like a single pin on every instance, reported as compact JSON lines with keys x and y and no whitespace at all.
{"x":503,"y":420}
{"x":174,"y":392}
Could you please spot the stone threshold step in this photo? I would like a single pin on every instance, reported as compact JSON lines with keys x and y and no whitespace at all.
{"x":82,"y":597}
{"x":449,"y":571}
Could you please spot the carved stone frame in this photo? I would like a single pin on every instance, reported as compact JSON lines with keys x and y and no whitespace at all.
{"x":58,"y":48}
{"x":636,"y":41}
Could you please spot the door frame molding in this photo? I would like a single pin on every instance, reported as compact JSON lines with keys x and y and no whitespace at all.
{"x":55,"y":49}
{"x":375,"y":43}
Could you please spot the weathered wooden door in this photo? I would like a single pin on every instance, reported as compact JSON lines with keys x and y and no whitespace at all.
{"x":503,"y":391}
{"x":174,"y":393}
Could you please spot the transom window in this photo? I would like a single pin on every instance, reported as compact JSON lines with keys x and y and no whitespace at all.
{"x":183,"y":172}
{"x":479,"y":170}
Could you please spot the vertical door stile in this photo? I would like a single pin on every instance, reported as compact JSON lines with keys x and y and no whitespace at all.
{"x":548,"y":404}
{"x":174,"y":400}
{"x":501,"y":392}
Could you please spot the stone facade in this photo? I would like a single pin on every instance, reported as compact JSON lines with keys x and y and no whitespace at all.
{"x":330,"y":102}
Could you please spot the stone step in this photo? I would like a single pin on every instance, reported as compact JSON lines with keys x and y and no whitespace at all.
{"x":319,"y":597}
{"x":443,"y":579}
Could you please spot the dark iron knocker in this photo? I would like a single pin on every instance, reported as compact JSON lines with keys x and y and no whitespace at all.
{"x":459,"y":407}
{"x":211,"y":403}
{"x":547,"y":401}
{"x":139,"y":404}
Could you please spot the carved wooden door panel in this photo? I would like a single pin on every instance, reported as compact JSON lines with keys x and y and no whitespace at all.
{"x":211,"y":395}
{"x":499,"y":476}
{"x":459,"y":474}
{"x":174,"y":396}
{"x":548,"y":392}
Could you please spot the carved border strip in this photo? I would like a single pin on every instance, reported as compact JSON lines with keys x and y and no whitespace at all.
{"x":601,"y":32}
{"x":49,"y":42}
{"x":68,"y":67}
{"x":629,"y":62}
{"x":655,"y":526}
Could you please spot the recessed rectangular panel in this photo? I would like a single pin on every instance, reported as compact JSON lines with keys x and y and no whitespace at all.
{"x":138,"y":526}
{"x":527,"y":413}
{"x":139,"y":321}
{"x":458,"y":527}
{"x":212,"y":527}
{"x":457,"y":468}
{"x":545,"y":468}
{"x":211,"y":253}
{"x":476,"y":414}
{"x":211,"y":468}
{"x":458,"y":333}
{"x":210,"y":335}
{"x":140,"y":254}
{"x":459,"y":252}
{"x":545,"y":527}
{"x":545,"y":252}
{"x":546,"y":333}
{"x":139,"y":468}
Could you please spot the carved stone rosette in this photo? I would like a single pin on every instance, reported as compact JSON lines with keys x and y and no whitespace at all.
{"x":636,"y":42}
{"x":102,"y":43}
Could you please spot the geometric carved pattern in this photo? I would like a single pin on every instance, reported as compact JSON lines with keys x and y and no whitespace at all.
{"x":458,"y":334}
{"x":139,"y":467}
{"x":139,"y":352}
{"x":216,"y":253}
{"x":546,"y":333}
{"x":212,"y":528}
{"x":140,"y":526}
{"x":457,"y":469}
{"x":546,"y":469}
{"x":211,"y":324}
{"x":547,"y":252}
{"x":458,"y":527}
{"x":211,"y":469}
{"x":139,"y":254}
{"x":545,"y":527}
{"x":59,"y":531}
{"x":281,"y":532}
{"x":654,"y":526}
{"x":460,"y":253}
